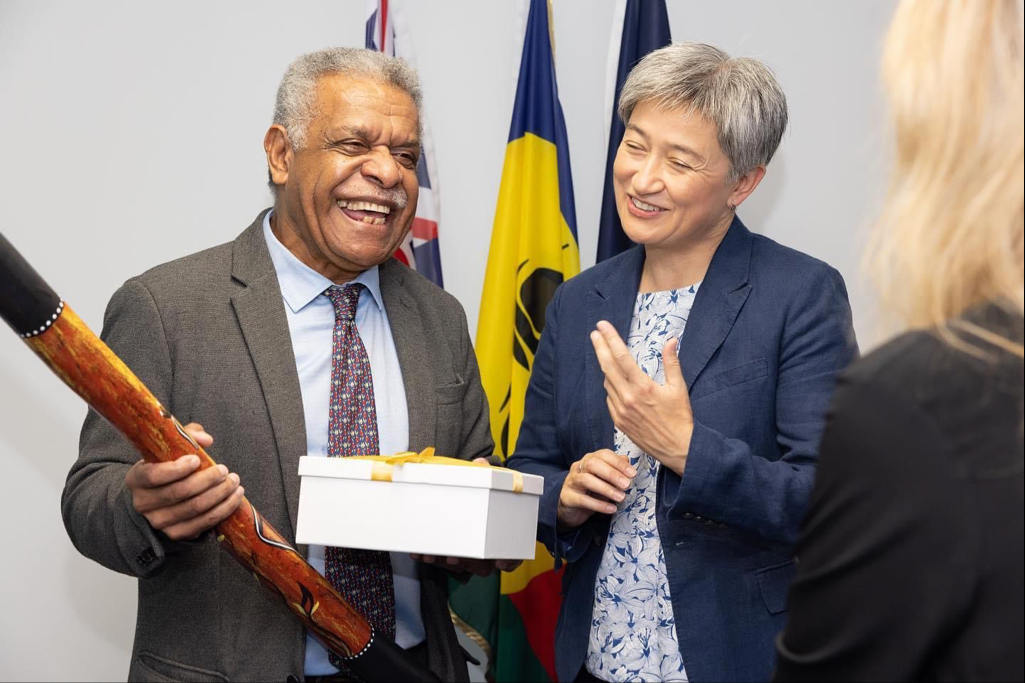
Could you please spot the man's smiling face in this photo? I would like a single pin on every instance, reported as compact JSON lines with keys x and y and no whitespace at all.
{"x":349,"y":196}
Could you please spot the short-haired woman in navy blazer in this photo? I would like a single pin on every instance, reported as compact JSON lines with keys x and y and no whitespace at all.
{"x":679,"y":389}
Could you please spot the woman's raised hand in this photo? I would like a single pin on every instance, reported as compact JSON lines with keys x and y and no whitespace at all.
{"x":658,"y":418}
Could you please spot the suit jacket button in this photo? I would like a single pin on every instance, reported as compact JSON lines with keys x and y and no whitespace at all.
{"x":688,"y":515}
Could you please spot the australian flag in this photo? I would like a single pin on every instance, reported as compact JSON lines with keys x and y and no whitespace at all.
{"x":420,"y":250}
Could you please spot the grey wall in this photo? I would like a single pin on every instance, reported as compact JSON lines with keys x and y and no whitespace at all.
{"x":132,"y":134}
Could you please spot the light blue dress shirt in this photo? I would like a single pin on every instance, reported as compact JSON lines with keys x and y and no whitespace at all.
{"x":311,"y":321}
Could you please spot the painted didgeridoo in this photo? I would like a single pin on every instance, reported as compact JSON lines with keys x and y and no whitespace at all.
{"x":94,"y":372}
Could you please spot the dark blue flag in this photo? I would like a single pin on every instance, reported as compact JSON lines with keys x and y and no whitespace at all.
{"x":645,"y":28}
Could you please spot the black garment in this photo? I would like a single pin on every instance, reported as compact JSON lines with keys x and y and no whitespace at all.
{"x":417,"y":652}
{"x":911,"y":555}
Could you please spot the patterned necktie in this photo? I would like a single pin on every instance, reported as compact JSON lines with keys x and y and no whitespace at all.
{"x":363,"y":577}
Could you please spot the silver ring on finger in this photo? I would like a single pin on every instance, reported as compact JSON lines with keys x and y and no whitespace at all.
{"x":580,"y":466}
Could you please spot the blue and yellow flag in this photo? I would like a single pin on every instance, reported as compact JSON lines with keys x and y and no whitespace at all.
{"x":533,"y":250}
{"x":534,"y":240}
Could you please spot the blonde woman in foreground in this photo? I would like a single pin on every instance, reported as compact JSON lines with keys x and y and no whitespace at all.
{"x":911,"y":554}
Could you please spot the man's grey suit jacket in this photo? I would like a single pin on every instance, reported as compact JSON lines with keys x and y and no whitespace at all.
{"x":208,"y":335}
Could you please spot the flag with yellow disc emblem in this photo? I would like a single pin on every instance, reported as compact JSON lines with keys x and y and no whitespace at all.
{"x":533,"y":250}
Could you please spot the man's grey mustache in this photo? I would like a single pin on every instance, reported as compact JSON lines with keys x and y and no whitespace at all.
{"x":397,"y":198}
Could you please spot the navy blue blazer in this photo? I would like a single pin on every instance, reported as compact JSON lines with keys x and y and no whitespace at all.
{"x":769,"y":331}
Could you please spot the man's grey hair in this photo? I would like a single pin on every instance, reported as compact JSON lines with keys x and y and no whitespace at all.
{"x":740,"y":96}
{"x":295,"y":106}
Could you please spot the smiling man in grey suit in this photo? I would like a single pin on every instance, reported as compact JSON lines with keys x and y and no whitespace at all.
{"x":257,"y":339}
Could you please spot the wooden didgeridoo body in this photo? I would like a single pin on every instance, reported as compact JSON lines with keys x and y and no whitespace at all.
{"x":94,"y":372}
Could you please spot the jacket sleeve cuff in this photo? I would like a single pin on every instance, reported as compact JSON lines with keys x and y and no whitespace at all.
{"x":573,"y":544}
{"x":567,"y":546}
{"x":142,"y":547}
{"x":698,"y":480}
{"x":147,"y":550}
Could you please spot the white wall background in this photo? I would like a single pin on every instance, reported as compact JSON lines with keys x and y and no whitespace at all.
{"x":131,"y":134}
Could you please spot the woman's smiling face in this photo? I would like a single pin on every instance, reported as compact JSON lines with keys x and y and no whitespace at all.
{"x":671,"y":178}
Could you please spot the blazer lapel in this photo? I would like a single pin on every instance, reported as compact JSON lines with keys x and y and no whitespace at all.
{"x":415,"y":358}
{"x":261,"y":316}
{"x":612,"y":299}
{"x":718,"y":303}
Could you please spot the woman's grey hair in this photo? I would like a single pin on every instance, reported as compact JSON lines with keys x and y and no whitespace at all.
{"x":740,"y":96}
{"x":295,"y":106}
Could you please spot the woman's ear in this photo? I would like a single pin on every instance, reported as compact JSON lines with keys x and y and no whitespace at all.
{"x":746,"y":184}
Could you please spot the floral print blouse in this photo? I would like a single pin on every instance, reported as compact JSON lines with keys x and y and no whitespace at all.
{"x":633,"y":629}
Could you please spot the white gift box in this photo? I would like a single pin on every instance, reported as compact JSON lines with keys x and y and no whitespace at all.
{"x":430,"y":509}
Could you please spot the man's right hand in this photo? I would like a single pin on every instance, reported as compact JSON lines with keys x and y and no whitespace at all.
{"x":592,"y":482}
{"x":179,"y":500}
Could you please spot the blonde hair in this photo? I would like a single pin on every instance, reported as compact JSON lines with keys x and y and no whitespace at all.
{"x":950,"y":236}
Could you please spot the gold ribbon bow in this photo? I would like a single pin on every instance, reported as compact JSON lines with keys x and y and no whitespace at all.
{"x":384,"y":465}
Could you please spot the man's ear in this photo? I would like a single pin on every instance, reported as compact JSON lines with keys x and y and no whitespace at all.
{"x":279,"y":154}
{"x":746,"y":184}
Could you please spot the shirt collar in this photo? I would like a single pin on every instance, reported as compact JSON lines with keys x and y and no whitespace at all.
{"x":300,"y":284}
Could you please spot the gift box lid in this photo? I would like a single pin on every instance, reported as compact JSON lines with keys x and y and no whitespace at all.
{"x":467,"y":475}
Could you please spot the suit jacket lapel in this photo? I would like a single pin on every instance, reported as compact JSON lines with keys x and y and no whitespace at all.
{"x":612,"y":299}
{"x":718,"y":303}
{"x":261,"y":316}
{"x":415,"y":358}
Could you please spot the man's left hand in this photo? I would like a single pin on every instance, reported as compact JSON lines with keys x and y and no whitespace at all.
{"x":658,"y":418}
{"x":469,"y":564}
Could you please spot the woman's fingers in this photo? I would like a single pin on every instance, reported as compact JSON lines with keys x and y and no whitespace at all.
{"x":604,"y":474}
{"x":582,"y":501}
{"x":599,"y":478}
{"x":612,"y":369}
{"x":617,"y":353}
{"x":593,"y":484}
{"x":618,"y":462}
